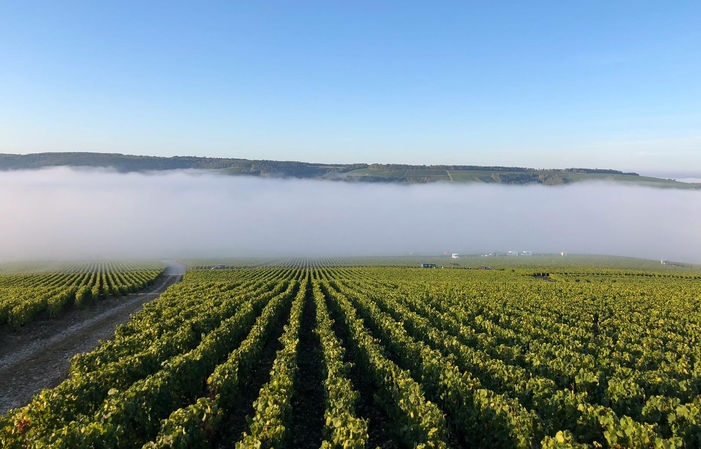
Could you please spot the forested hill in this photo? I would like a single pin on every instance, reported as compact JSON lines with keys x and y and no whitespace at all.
{"x":385,"y":173}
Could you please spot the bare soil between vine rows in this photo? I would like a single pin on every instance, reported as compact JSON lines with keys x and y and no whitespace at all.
{"x":38,"y":356}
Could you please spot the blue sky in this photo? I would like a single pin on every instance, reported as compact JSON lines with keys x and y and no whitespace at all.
{"x":539,"y":84}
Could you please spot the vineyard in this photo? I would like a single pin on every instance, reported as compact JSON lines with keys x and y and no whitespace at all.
{"x":52,"y":288}
{"x":315,"y":354}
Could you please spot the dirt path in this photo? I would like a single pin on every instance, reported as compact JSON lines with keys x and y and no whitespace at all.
{"x":37,"y":356}
{"x":450,"y":176}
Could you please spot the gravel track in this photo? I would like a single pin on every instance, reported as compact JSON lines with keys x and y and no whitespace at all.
{"x":37,"y":356}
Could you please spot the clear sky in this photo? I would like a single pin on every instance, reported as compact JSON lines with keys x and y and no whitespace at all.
{"x":540,"y":84}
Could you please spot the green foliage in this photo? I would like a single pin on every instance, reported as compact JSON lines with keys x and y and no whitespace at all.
{"x":25,"y":297}
{"x":343,"y":428}
{"x":418,"y":421}
{"x":273,"y":407}
{"x":473,"y":358}
{"x":190,"y":427}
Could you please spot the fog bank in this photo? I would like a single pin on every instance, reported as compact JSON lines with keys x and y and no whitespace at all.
{"x":62,"y":213}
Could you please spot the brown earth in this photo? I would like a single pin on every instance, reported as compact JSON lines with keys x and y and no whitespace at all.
{"x":37,"y":356}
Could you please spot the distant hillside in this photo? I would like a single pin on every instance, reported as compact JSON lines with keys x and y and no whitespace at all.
{"x":385,"y":173}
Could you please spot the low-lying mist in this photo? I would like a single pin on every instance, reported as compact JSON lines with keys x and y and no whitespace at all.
{"x":63,"y":213}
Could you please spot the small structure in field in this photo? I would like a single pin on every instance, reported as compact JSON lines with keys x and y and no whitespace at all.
{"x":526,"y":253}
{"x":221,"y":266}
{"x":428,"y":265}
{"x":455,"y":256}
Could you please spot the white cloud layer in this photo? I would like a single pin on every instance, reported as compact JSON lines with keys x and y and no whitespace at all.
{"x":68,"y":214}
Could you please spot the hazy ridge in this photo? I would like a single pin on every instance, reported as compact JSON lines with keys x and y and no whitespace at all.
{"x":361,"y":172}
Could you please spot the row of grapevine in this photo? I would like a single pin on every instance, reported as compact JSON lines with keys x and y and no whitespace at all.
{"x":669,"y":426}
{"x":481,"y":417}
{"x":444,"y":358}
{"x":270,"y":425}
{"x":343,"y":428}
{"x":127,"y":367}
{"x":419,"y":421}
{"x":198,"y":424}
{"x":25,"y":297}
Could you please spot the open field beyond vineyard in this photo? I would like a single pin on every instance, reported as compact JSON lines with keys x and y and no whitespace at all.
{"x":315,"y":354}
